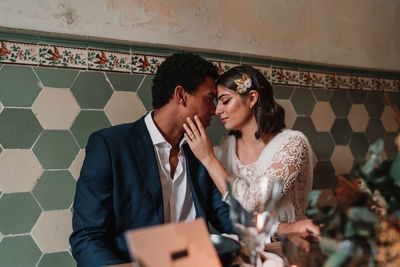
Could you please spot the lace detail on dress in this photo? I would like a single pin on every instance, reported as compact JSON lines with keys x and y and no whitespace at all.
{"x":289,"y":162}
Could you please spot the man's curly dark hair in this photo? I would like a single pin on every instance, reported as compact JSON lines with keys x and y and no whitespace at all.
{"x":184,"y":69}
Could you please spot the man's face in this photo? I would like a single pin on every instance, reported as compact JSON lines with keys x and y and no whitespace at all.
{"x":201,"y":103}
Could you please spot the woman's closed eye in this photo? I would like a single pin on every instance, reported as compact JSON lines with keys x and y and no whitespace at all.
{"x":225,"y":101}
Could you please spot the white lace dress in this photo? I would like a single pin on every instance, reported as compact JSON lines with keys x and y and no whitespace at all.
{"x":288,"y":156}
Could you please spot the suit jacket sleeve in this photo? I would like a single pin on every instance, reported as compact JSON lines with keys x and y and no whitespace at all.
{"x":219,"y":215}
{"x":92,"y":222}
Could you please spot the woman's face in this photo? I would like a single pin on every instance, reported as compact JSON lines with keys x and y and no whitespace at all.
{"x":234,"y":110}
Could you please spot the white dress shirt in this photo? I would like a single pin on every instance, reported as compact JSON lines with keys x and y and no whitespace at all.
{"x":177,"y":195}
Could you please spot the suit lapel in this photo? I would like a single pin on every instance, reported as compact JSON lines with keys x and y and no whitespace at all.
{"x":142,"y":145}
{"x":196,"y":180}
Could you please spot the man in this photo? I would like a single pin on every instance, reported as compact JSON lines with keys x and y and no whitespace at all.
{"x":143,"y":173}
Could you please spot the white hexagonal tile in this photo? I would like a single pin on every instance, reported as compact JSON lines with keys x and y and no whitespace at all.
{"x":55,"y":108}
{"x":1,"y":107}
{"x":290,"y":113}
{"x":19,"y":170}
{"x":76,"y":165}
{"x":1,"y":237}
{"x":342,"y":160}
{"x":52,"y":230}
{"x":358,"y":118}
{"x":124,"y":107}
{"x":323,"y":116}
{"x":388,"y":120}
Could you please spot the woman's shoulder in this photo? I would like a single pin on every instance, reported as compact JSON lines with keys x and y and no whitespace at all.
{"x":288,"y":136}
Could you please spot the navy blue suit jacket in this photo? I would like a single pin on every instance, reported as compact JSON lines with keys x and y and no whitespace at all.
{"x":119,"y":189}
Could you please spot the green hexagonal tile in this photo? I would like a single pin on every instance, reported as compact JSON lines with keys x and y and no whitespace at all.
{"x":56,"y":149}
{"x":59,"y":259}
{"x":55,"y":190}
{"x":87,"y":122}
{"x":19,"y":212}
{"x":19,"y":128}
{"x":125,"y":81}
{"x":19,"y":251}
{"x":19,"y":86}
{"x":144,"y":92}
{"x":58,"y":78}
{"x":91,"y":90}
{"x":216,"y":131}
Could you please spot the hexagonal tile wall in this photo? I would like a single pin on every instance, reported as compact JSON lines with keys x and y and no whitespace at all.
{"x":56,"y":149}
{"x":290,"y":113}
{"x":87,"y":122}
{"x":341,"y":131}
{"x":340,"y":103}
{"x":52,"y":230}
{"x":322,"y":94}
{"x":323,"y":175}
{"x":144,"y":92}
{"x":56,"y":108}
{"x":76,"y":165}
{"x":19,"y":251}
{"x":357,"y":97}
{"x":56,"y":78}
{"x":323,"y":145}
{"x":91,"y":90}
{"x":124,"y":81}
{"x":374,"y":105}
{"x":13,"y":178}
{"x":358,"y":118}
{"x":342,"y":160}
{"x":19,"y":86}
{"x":359,"y":146}
{"x":55,"y":190}
{"x":375,"y":130}
{"x":388,"y":120}
{"x":306,"y":126}
{"x":23,"y":215}
{"x":59,"y":259}
{"x":124,"y":107}
{"x":303,"y":101}
{"x":282,"y":91}
{"x":322,"y":116}
{"x":215,"y":131}
{"x":19,"y":128}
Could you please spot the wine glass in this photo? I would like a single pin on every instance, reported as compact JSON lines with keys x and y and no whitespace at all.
{"x":254,"y":226}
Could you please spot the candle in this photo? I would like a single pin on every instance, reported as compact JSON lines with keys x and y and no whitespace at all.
{"x":260,"y":222}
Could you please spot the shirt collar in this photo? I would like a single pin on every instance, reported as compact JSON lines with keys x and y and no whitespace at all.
{"x":156,"y":137}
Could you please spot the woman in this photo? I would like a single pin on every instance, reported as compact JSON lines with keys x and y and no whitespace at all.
{"x":257,"y":150}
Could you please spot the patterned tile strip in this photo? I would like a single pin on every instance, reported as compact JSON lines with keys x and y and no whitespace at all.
{"x":83,"y":58}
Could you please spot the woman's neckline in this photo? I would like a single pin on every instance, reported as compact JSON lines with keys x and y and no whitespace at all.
{"x":259,"y":156}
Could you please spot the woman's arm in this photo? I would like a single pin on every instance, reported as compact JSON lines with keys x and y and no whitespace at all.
{"x":202,"y":148}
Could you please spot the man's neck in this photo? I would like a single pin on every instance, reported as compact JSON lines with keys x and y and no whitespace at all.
{"x":169,"y":125}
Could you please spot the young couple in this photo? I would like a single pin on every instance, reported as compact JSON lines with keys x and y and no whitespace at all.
{"x":162,"y":168}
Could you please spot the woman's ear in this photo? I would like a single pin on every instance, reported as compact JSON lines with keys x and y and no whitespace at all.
{"x":253,"y":98}
{"x":180,"y":95}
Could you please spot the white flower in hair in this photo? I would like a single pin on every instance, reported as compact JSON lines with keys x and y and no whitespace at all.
{"x":243,"y":83}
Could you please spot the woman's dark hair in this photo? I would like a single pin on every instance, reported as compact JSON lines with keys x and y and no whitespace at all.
{"x":184,"y":69}
{"x":269,"y":115}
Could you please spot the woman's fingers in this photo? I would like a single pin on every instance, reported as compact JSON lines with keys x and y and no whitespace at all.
{"x":200,"y":125}
{"x":189,"y":134}
{"x":193,"y":127}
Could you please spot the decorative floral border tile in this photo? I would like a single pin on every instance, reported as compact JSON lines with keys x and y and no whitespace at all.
{"x":20,"y":53}
{"x":84,"y":58}
{"x":266,"y":71}
{"x":62,"y":56}
{"x":106,"y":60}
{"x":285,"y":76}
{"x":223,"y":66}
{"x":145,"y":63}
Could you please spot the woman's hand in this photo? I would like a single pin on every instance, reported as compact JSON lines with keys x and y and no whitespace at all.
{"x":198,"y":141}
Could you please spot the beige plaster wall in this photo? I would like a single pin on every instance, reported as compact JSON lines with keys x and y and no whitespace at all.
{"x":359,"y":33}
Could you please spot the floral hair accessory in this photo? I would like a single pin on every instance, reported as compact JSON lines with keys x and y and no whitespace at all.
{"x":243,"y":83}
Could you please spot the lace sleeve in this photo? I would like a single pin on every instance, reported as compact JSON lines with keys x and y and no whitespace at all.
{"x":288,"y":164}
